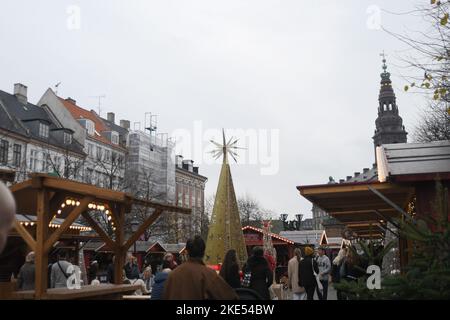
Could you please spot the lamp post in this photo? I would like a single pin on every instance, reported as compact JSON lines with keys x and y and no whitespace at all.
{"x":299,"y":220}
{"x":292,"y":224}
{"x":134,"y":227}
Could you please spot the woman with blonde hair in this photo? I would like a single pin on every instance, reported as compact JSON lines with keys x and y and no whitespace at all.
{"x":298,"y":293}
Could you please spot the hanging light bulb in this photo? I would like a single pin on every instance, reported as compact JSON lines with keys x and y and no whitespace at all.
{"x":31,"y":223}
{"x":63,"y":205}
{"x":90,"y":205}
{"x":109,"y":218}
{"x":73,"y":202}
{"x":68,"y":202}
{"x":77,"y":203}
{"x":59,"y":211}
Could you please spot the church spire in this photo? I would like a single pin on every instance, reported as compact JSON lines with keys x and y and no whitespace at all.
{"x":389,"y":125}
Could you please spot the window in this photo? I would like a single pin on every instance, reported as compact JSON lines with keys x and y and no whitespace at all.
{"x":90,"y":150}
{"x":88,"y":175}
{"x":17,"y":154}
{"x":114,"y":137}
{"x":180,"y":196}
{"x":4,"y":146}
{"x":67,"y":138}
{"x":34,"y":158}
{"x":90,"y":127}
{"x":186,"y":197}
{"x":47,"y":165}
{"x":43,"y":130}
{"x":99,"y":153}
{"x":107,"y":155}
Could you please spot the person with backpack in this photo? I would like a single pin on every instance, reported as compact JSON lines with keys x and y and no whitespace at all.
{"x":298,"y":293}
{"x":257,"y":273}
{"x":307,"y":271}
{"x":58,"y":274}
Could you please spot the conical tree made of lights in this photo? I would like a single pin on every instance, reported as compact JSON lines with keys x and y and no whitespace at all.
{"x":225,"y":229}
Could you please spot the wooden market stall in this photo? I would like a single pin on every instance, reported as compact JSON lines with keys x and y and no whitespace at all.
{"x":47,"y":197}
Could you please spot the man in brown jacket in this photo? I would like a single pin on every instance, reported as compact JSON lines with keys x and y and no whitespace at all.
{"x":193,"y":280}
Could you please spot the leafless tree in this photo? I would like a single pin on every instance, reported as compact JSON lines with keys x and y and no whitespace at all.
{"x":251,"y":210}
{"x":427,"y":63}
{"x":434,"y":123}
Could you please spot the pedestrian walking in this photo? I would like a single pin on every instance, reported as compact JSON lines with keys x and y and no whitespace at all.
{"x":93,"y":269}
{"x":298,"y":293}
{"x":131,"y":268}
{"x":59,"y":274}
{"x":148,"y":278}
{"x":160,"y":280}
{"x":308,"y":266}
{"x":261,"y":277}
{"x":193,"y":280}
{"x":110,"y":272}
{"x":230,"y":269}
{"x":338,"y":270}
{"x":26,"y":277}
{"x":324,"y":265}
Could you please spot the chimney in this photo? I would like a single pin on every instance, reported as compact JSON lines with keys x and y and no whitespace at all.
{"x":349,"y":177}
{"x":72,"y":101}
{"x":357,"y":174}
{"x":20,"y":91}
{"x":188,"y":165}
{"x":374,"y":166}
{"x":179,"y":161}
{"x":125,"y":124}
{"x":341,"y":180}
{"x":365,"y":170}
{"x":195,"y":170}
{"x":111,"y":117}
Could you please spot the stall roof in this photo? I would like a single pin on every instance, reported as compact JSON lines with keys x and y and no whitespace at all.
{"x":273,"y":235}
{"x":311,"y":237}
{"x":414,"y":161}
{"x":365,"y":207}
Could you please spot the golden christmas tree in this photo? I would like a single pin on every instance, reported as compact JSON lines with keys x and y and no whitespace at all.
{"x":225,"y":229}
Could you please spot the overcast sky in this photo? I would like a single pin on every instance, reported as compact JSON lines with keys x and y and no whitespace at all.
{"x":309,"y":69}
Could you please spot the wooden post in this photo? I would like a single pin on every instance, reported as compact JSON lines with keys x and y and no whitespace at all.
{"x":119,"y":251}
{"x":41,"y":236}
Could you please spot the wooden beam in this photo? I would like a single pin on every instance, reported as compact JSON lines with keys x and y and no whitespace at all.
{"x":73,"y":215}
{"x":99,"y":230}
{"x":119,"y":252}
{"x":20,"y":186}
{"x":41,"y":260}
{"x":144,"y":226}
{"x":26,"y":236}
{"x":84,"y":189}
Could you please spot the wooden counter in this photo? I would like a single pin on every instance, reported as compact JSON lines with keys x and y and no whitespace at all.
{"x":99,"y":292}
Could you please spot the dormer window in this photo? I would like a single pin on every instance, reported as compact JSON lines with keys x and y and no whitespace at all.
{"x":114,"y":138}
{"x":90,"y":127}
{"x":67,"y":138}
{"x":43,"y":130}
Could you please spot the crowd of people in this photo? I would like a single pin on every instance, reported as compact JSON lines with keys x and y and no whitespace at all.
{"x":309,"y":273}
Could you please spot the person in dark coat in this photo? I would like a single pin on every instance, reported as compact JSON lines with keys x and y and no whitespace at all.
{"x":26,"y":278}
{"x":93,"y":269}
{"x":160,"y":280}
{"x":110,"y":272}
{"x":193,"y":280}
{"x":261,"y":276}
{"x":131,"y":268}
{"x":306,"y":276}
{"x":230,"y":269}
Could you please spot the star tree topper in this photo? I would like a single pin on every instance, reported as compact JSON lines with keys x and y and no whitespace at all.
{"x":226,"y":148}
